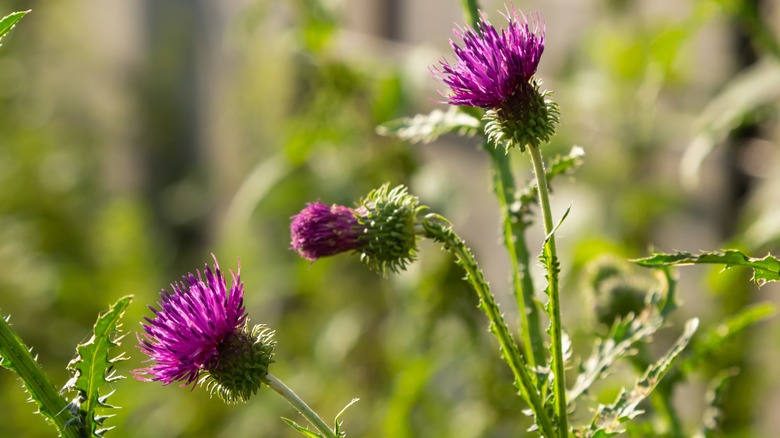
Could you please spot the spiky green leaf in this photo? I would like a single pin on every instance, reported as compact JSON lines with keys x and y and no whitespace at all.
{"x":609,"y":419}
{"x":765,"y":269}
{"x":618,"y":344}
{"x":559,"y":165}
{"x":304,"y":431}
{"x":565,"y":164}
{"x":426,"y":128}
{"x":93,"y":366}
{"x":9,"y":21}
{"x":337,"y":420}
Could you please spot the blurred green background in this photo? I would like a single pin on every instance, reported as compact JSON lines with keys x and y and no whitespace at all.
{"x":138,"y":137}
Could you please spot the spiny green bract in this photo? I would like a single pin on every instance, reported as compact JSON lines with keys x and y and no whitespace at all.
{"x":388,"y":217}
{"x":243,"y":363}
{"x":531,"y":122}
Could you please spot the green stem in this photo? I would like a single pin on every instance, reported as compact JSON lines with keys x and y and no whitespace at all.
{"x":16,"y":356}
{"x":554,"y":305}
{"x":442,"y":233}
{"x":299,"y":405}
{"x":471,"y":8}
{"x":514,"y":240}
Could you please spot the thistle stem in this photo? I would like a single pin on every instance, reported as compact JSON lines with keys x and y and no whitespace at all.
{"x":554,"y":305}
{"x":299,"y":405}
{"x":514,"y":240}
{"x":471,"y":8}
{"x":16,"y":356}
{"x":439,"y":230}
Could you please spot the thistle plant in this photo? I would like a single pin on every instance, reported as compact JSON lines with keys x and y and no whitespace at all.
{"x":199,"y":333}
{"x":494,"y":92}
{"x":496,"y":72}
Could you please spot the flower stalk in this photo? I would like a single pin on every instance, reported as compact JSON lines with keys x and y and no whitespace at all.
{"x":298,"y":403}
{"x":471,"y":8}
{"x":16,"y":356}
{"x":514,"y":240}
{"x":438,"y":229}
{"x":550,"y":257}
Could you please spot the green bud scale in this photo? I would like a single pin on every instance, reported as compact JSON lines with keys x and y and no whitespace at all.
{"x":387,"y":218}
{"x":242,"y":364}
{"x":526,"y":118}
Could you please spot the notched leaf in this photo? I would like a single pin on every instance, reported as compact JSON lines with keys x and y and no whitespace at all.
{"x":766,"y":269}
{"x":93,"y":367}
{"x":425,"y":128}
{"x":609,"y":419}
{"x":9,"y":21}
{"x":303,"y":431}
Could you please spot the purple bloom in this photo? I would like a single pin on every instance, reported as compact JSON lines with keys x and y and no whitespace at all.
{"x":183,"y":337}
{"x":493,"y":68}
{"x":382,"y":229}
{"x":321,"y":231}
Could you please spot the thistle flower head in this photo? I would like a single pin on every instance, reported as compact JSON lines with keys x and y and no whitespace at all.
{"x":492,"y":67}
{"x":320,"y":231}
{"x":381,"y":229}
{"x":194,"y":332}
{"x":495,"y":71}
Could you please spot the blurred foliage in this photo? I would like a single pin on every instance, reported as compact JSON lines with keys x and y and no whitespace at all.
{"x":119,"y":178}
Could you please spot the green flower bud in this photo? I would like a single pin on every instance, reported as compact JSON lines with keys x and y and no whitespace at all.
{"x":240,"y":368}
{"x":615,"y":291}
{"x":528,"y":117}
{"x":387,"y":218}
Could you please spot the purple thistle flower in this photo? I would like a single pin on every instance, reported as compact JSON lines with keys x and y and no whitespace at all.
{"x":381,"y":229}
{"x":184,"y":336}
{"x":321,"y":231}
{"x":493,"y":68}
{"x":495,"y":71}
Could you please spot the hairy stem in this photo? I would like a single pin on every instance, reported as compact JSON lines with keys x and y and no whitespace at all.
{"x":514,"y":240}
{"x":554,"y":305}
{"x":16,"y":356}
{"x":299,"y":405}
{"x":438,"y":229}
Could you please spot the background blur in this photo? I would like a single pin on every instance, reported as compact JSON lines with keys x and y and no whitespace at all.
{"x":138,"y":137}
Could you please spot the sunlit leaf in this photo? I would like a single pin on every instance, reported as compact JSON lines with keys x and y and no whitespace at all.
{"x":426,"y":128}
{"x":93,"y":367}
{"x":563,"y":164}
{"x":609,"y":419}
{"x":303,"y":431}
{"x":618,"y":344}
{"x":764,"y":269}
{"x":7,"y":23}
{"x":559,"y":165}
{"x":337,"y":421}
